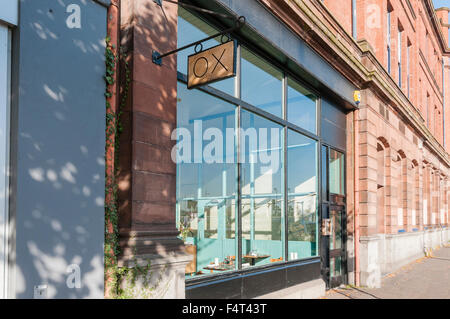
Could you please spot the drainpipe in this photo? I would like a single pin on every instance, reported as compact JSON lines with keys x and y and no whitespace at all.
{"x":356,"y":193}
{"x":443,"y":91}
{"x":354,"y":33}
{"x":113,"y":33}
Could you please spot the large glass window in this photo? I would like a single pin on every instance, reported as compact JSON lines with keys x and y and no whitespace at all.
{"x":301,"y":106}
{"x":206,"y":181}
{"x":262,"y":190}
{"x":273,"y":216}
{"x":261,"y":83}
{"x":302,"y":184}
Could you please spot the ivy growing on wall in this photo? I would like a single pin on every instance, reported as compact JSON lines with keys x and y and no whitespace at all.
{"x":120,"y":282}
{"x":113,"y":130}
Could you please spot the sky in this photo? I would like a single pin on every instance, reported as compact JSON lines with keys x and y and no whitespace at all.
{"x":441,"y":3}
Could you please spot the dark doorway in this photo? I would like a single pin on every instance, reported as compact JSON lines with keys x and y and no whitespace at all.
{"x":333,"y":217}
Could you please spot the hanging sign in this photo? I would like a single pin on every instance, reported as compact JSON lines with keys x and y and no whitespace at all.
{"x":215,"y":64}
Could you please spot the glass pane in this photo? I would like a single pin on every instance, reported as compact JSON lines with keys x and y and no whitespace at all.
{"x":261,"y":83}
{"x":301,"y":106}
{"x":302,"y":196}
{"x":324,"y":178}
{"x":262,"y":191}
{"x":206,"y":181}
{"x":335,"y":267}
{"x":191,"y":29}
{"x":336,"y":172}
{"x":336,"y":230}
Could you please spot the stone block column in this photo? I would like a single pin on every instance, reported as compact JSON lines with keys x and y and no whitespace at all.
{"x":370,"y":270}
{"x":391,"y":192}
{"x":420,"y":197}
{"x":367,"y":177}
{"x":409,"y":194}
{"x":147,"y":179}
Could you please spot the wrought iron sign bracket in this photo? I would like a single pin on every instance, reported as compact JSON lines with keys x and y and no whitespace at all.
{"x":238,"y":23}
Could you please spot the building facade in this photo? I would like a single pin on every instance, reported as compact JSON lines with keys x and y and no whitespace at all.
{"x":322,"y":160}
{"x":374,"y":173}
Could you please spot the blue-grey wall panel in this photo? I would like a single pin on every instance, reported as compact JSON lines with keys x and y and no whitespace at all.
{"x":333,"y":125}
{"x":264,"y":23}
{"x":60,"y":143}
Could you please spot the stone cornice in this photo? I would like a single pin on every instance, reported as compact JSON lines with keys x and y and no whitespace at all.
{"x":366,"y":70}
{"x":436,"y":27}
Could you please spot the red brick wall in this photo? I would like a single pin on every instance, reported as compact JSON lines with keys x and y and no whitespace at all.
{"x":425,"y":52}
{"x":147,"y":177}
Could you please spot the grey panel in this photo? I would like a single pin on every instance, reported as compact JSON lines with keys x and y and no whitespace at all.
{"x":60,"y":144}
{"x":277,"y":33}
{"x":333,"y":125}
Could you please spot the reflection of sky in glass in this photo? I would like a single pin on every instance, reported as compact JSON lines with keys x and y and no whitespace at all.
{"x":261,"y":177}
{"x":191,"y":29}
{"x":301,"y":108}
{"x":201,"y":179}
{"x":261,"y":84}
{"x":302,"y":170}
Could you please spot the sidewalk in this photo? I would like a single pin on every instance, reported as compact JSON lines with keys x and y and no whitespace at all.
{"x":425,"y":278}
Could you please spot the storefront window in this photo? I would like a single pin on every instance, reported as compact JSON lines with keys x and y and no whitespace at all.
{"x":302,"y":196}
{"x":206,"y":181}
{"x":262,"y":190}
{"x":209,"y":172}
{"x":301,"y":106}
{"x":261,"y":83}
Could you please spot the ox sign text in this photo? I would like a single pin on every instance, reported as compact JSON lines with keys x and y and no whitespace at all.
{"x":214,"y":64}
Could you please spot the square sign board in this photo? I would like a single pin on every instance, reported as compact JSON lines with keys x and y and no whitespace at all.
{"x":212,"y":65}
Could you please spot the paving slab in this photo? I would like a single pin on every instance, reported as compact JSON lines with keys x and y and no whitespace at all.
{"x":425,"y":278}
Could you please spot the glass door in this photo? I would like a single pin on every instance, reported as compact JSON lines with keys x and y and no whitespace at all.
{"x":333,"y":218}
{"x":336,"y":246}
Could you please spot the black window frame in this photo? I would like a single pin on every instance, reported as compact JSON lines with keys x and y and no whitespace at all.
{"x":317,"y":137}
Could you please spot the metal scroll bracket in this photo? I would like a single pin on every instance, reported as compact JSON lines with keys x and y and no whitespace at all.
{"x":238,"y":23}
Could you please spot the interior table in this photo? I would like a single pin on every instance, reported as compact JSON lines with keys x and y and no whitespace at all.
{"x":254,"y":258}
